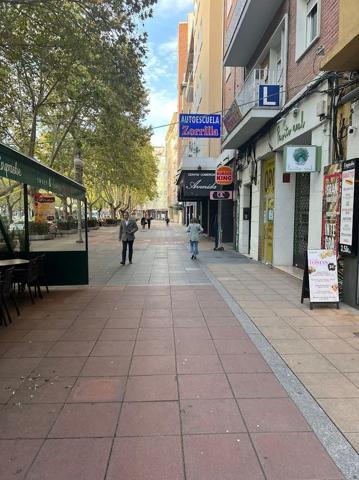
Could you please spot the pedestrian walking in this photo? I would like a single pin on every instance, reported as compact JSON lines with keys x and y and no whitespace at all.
{"x":216,"y":233}
{"x":128,"y":227}
{"x":143,"y":222}
{"x":149,"y":220}
{"x":167,"y":221}
{"x":194,"y":229}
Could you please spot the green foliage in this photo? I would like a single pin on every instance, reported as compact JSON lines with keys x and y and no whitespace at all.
{"x":40,"y":228}
{"x":71,"y":78}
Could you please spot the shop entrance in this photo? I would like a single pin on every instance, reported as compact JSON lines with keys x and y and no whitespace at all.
{"x":301,"y":218}
{"x":268,"y":211}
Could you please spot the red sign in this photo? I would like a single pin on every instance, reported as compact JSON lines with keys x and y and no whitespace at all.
{"x":331,"y":207}
{"x":224,"y":176}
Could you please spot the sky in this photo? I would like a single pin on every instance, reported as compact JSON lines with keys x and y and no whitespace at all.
{"x":161,"y":64}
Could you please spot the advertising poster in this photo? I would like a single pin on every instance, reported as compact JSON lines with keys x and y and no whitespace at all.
{"x":323,"y":276}
{"x":331,"y":207}
{"x":302,"y":158}
{"x":44,"y":208}
{"x":349,"y":204}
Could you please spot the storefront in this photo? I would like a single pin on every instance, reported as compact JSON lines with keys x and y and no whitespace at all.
{"x":268,"y":176}
{"x":43,"y":218}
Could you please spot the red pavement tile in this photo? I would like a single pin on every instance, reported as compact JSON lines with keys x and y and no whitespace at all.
{"x":221,"y":321}
{"x":153,"y":365}
{"x":151,"y":312}
{"x":27,"y":421}
{"x":28,"y":349}
{"x":161,"y":459}
{"x":219,"y":457}
{"x":122,"y":322}
{"x":134,"y":314}
{"x":211,"y":416}
{"x":245,"y":363}
{"x":61,"y":366}
{"x":235,"y":347}
{"x":151,"y":388}
{"x":90,"y":322}
{"x":118,"y":334}
{"x":12,"y":335}
{"x":191,"y":333}
{"x":108,"y":349}
{"x":154,"y":347}
{"x":198,"y":364}
{"x":189,"y":322}
{"x":294,"y":455}
{"x":227,"y":332}
{"x":7,"y":388}
{"x":272,"y":415}
{"x":155,"y":333}
{"x":195,"y":346}
{"x":158,"y":322}
{"x":19,"y":367}
{"x":71,"y":349}
{"x":44,"y":335}
{"x":81,"y":334}
{"x":106,"y":366}
{"x":98,"y":389}
{"x":86,"y":420}
{"x":80,"y":459}
{"x":149,"y":418}
{"x":204,"y":386}
{"x":256,"y":385}
{"x":16,"y":457}
{"x":44,"y":390}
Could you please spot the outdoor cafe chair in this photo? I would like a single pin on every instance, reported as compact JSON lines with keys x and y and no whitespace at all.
{"x":29,"y":277}
{"x":6,"y":292}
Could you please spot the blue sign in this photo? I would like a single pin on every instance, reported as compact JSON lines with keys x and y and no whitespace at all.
{"x":269,"y":96}
{"x":198,"y":125}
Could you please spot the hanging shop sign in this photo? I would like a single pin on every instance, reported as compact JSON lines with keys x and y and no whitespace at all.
{"x":44,"y":208}
{"x":199,"y":126}
{"x":196,"y":184}
{"x":224,"y":175}
{"x":322,"y":273}
{"x":348,"y":241}
{"x":221,"y":195}
{"x":331,"y":207}
{"x":269,"y":96}
{"x":232,"y":118}
{"x":302,"y":158}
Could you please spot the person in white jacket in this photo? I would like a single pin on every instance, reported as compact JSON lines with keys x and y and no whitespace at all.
{"x":194,"y":229}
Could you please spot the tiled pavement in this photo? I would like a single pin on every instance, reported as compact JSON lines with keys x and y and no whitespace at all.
{"x":145,"y":382}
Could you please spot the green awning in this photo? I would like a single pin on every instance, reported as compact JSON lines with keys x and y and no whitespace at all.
{"x":23,"y":169}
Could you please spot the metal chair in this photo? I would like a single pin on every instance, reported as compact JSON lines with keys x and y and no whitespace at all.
{"x":6,"y":292}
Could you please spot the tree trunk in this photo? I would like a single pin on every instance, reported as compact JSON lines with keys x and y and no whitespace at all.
{"x":9,"y":210}
{"x":90,"y":211}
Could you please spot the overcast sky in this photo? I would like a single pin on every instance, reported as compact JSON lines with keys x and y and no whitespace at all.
{"x":161,"y":69}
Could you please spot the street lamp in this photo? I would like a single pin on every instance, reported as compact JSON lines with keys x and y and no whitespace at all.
{"x":79,"y":170}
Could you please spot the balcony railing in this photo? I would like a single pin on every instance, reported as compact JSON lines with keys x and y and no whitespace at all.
{"x":248,"y":95}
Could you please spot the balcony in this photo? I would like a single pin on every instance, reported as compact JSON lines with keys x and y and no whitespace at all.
{"x":250,"y":112}
{"x":249,"y":22}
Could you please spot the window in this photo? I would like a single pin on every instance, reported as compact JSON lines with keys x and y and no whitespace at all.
{"x":308,"y":25}
{"x":312,"y":22}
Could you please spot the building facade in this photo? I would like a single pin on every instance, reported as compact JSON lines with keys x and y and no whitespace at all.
{"x":201,"y":92}
{"x":275,"y":98}
{"x":171,"y":148}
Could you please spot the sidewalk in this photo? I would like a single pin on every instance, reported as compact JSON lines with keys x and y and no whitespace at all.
{"x":148,"y":375}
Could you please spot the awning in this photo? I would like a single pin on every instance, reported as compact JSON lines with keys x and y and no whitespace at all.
{"x":23,"y":169}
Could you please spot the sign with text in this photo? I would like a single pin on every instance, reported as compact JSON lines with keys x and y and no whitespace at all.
{"x":331,"y":206}
{"x":198,"y":125}
{"x":269,"y":96}
{"x":44,"y":208}
{"x":348,"y":240}
{"x":302,"y":158}
{"x":196,"y":184}
{"x":221,"y":195}
{"x":224,"y":175}
{"x":323,"y":276}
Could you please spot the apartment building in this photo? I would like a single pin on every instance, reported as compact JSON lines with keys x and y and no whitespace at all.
{"x":171,"y":149}
{"x":200,"y":92}
{"x":277,"y":118}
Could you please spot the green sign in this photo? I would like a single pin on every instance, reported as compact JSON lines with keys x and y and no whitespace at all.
{"x":302,"y":158}
{"x":16,"y":166}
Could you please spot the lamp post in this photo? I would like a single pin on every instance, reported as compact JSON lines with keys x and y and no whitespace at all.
{"x":79,"y":170}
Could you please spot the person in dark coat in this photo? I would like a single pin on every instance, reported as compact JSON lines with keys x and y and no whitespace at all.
{"x":143,"y":222}
{"x":149,"y":220}
{"x":128,"y":227}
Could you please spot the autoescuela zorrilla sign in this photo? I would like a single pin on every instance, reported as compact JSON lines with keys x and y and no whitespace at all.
{"x":199,"y":126}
